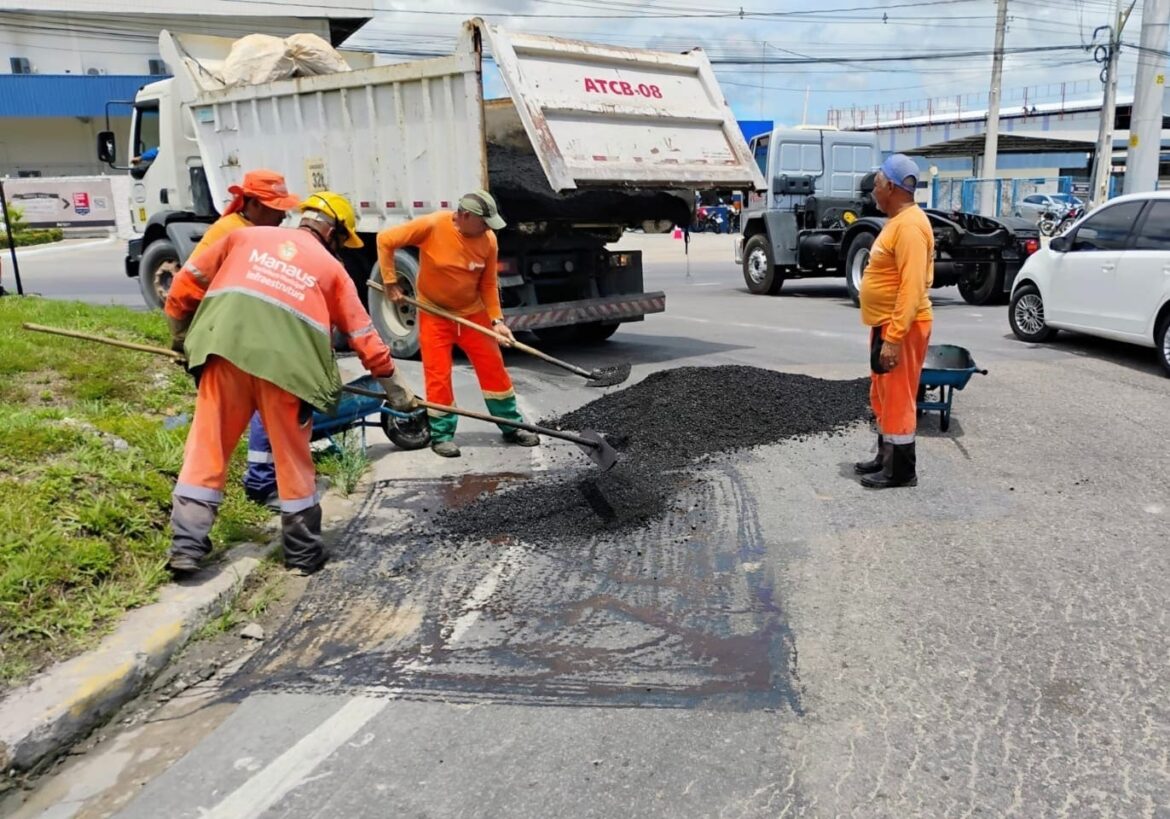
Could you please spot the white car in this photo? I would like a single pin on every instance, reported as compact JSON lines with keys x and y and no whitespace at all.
{"x":1108,"y":275}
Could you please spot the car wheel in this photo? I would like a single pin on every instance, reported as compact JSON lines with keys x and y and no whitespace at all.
{"x":760,"y":274}
{"x":983,"y":286}
{"x":156,"y":272}
{"x":1162,"y":340}
{"x":1026,"y":315}
{"x":856,"y":260}
{"x":397,"y":324}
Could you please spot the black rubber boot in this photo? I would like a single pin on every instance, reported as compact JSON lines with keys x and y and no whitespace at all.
{"x":303,"y":550}
{"x":191,"y":522}
{"x":879,"y":460}
{"x":899,"y":470}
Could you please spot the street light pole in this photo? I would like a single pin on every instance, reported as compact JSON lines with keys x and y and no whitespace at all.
{"x":989,"y":171}
{"x":1107,"y":54}
{"x":1145,"y":125}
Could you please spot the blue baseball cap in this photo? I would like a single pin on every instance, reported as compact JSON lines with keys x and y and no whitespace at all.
{"x":899,"y":166}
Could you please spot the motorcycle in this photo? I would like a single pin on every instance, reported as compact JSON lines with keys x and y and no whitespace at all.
{"x":1049,"y":222}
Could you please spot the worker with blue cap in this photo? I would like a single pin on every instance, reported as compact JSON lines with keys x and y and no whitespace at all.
{"x":895,"y":305}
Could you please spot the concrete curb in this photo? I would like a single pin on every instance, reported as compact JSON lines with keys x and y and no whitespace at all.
{"x":61,"y":706}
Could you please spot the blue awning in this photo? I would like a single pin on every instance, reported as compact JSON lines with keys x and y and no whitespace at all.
{"x":66,"y":95}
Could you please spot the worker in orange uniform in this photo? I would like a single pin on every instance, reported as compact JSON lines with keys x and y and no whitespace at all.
{"x":457,"y":272}
{"x":894,"y":302}
{"x":261,"y":201}
{"x":253,"y":314}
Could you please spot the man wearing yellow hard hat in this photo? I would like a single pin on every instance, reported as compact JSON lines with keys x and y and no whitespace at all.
{"x":254,"y":315}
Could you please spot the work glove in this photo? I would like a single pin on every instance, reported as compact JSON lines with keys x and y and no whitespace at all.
{"x":178,"y":333}
{"x":398,"y":395}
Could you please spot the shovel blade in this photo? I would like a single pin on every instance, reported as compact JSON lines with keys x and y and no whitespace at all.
{"x":600,"y":452}
{"x":609,"y":376}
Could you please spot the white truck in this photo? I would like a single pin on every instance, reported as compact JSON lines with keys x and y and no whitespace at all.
{"x":591,"y":140}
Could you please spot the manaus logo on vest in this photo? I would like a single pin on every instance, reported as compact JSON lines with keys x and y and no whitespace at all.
{"x":282,"y":266}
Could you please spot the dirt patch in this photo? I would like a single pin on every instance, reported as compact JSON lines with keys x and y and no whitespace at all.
{"x":665,"y":426}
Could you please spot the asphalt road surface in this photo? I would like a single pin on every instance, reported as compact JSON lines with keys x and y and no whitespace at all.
{"x":993,"y":642}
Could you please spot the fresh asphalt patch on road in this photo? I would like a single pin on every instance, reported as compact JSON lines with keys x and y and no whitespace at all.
{"x":505,"y":588}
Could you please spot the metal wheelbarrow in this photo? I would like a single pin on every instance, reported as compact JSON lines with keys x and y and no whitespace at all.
{"x":408,"y":430}
{"x":947,"y":368}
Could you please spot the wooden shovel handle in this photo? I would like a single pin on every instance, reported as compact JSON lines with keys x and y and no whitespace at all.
{"x":504,"y":340}
{"x":113,"y":342}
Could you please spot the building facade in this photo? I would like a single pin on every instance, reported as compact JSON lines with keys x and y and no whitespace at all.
{"x":66,"y":66}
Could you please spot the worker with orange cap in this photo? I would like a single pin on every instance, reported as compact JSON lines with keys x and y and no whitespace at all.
{"x":254,"y":315}
{"x":262,"y":200}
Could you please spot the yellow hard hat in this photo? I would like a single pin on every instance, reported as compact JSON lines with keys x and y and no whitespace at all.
{"x":337,"y":208}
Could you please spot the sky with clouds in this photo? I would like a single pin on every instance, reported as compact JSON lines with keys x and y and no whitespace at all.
{"x":762,"y":58}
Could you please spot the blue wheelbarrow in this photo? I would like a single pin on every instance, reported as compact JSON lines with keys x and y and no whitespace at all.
{"x":947,"y":368}
{"x":408,"y":430}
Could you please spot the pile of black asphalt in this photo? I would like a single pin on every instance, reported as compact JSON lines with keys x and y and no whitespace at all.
{"x":667,"y":428}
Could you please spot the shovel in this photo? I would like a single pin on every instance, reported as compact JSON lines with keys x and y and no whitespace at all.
{"x":592,"y":443}
{"x":601,"y":377}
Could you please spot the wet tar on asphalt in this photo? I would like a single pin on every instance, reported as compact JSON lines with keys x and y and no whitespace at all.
{"x":663,"y":426}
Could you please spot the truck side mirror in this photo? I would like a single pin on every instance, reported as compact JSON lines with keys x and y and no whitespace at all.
{"x":107,"y":147}
{"x":1061,"y":244}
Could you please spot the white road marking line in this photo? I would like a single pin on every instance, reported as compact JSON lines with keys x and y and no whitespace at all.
{"x":473,"y":606}
{"x":703,"y":284}
{"x":292,"y":768}
{"x":538,"y":462}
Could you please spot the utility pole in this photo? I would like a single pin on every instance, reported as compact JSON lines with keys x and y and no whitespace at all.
{"x":1145,"y":127}
{"x":1107,"y":54}
{"x":988,"y":201}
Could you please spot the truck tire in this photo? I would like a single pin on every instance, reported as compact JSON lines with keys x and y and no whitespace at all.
{"x":397,"y":324}
{"x":156,"y":271}
{"x":596,"y":332}
{"x":856,"y":258}
{"x":567,"y":334}
{"x":983,"y":287}
{"x":761,"y":276}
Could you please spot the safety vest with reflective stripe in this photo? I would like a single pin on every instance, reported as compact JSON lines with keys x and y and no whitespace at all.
{"x":266,"y":298}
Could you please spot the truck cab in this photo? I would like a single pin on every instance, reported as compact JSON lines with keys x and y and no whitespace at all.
{"x":816,"y":216}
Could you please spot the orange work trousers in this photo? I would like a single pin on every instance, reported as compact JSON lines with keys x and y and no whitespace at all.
{"x":894,"y":395}
{"x":227,"y":398}
{"x":438,"y":337}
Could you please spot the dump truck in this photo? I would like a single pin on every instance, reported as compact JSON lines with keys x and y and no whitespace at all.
{"x":817,"y":217}
{"x":590,"y":140}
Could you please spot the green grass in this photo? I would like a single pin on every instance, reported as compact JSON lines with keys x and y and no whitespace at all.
{"x":344,"y":463}
{"x":88,"y":460}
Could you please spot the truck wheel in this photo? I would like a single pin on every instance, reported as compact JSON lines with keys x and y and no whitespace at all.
{"x":157,"y":271}
{"x":596,"y":332}
{"x":397,"y":324}
{"x":855,"y":262}
{"x":761,"y":276}
{"x":560,"y":335}
{"x":982,"y":287}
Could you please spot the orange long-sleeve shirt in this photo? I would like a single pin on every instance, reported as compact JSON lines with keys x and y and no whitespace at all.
{"x":895,"y":285}
{"x":456,"y":272}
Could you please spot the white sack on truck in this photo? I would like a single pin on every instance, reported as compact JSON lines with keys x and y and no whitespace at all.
{"x":262,"y":58}
{"x":257,"y":59}
{"x":313,"y":55}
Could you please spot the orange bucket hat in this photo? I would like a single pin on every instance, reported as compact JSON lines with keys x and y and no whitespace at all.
{"x":266,"y":186}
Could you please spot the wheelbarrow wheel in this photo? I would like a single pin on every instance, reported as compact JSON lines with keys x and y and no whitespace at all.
{"x":944,"y":420}
{"x":408,"y":434}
